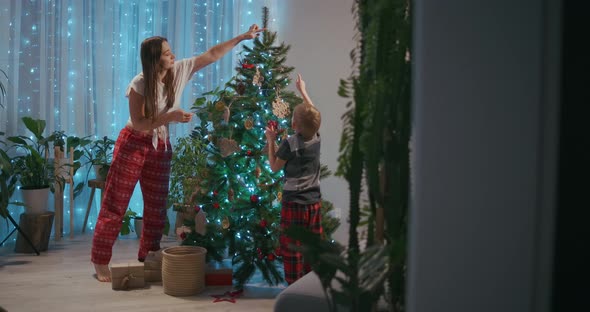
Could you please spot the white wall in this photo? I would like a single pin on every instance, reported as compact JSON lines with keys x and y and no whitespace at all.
{"x":320,"y":35}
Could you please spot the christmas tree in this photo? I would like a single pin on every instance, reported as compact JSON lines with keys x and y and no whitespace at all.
{"x":223,"y":170}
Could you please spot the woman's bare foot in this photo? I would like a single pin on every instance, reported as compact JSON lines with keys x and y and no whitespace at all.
{"x":103,"y":273}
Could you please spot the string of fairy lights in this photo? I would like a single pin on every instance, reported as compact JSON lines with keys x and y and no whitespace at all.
{"x":69,"y":63}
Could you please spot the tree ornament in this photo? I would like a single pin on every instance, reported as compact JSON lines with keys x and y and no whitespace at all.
{"x":280,"y":108}
{"x":273,"y":124}
{"x":220,"y":106}
{"x":263,"y":223}
{"x":245,"y":65}
{"x":249,"y":153}
{"x":197,"y":209}
{"x":201,"y":222}
{"x":216,"y":205}
{"x":279,"y":196}
{"x":258,"y":78}
{"x":225,"y":223}
{"x":254,"y":199}
{"x":230,"y":194}
{"x":270,"y":257}
{"x":257,"y":171}
{"x":226,"y":114}
{"x":228,"y":146}
{"x":215,"y":193}
{"x":249,"y":123}
{"x":241,"y":88}
{"x":182,"y":232}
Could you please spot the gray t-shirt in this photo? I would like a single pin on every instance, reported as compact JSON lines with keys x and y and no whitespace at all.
{"x":302,"y":169}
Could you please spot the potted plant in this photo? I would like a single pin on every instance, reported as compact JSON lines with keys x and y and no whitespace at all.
{"x":32,"y":166}
{"x":126,"y":224}
{"x":100,"y":155}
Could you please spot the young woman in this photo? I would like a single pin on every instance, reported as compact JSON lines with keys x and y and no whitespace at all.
{"x":143,"y":151}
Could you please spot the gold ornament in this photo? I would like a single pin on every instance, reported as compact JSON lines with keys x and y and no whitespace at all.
{"x":220,"y":106}
{"x":279,"y":196}
{"x":280,"y":108}
{"x":225,"y":223}
{"x":227,"y":146}
{"x":230,"y":194}
{"x":249,"y":123}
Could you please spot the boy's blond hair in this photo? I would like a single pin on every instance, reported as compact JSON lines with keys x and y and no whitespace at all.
{"x":308,"y":119}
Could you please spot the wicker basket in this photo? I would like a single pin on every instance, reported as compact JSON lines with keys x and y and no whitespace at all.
{"x":183,"y":270}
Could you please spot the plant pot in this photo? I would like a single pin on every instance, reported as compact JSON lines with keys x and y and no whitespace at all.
{"x":183,"y":270}
{"x":35,"y":200}
{"x":138,"y":226}
{"x":101,"y":171}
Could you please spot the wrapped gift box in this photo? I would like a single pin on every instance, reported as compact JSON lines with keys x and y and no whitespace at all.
{"x":127,"y":275}
{"x":219,"y":274}
{"x":153,"y":266}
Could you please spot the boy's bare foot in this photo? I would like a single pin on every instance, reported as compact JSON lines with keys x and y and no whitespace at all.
{"x":103,"y":273}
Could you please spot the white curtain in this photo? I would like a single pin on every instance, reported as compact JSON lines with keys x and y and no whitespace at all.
{"x":69,"y":62}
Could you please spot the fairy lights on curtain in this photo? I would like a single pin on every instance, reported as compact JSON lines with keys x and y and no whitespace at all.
{"x":69,"y":62}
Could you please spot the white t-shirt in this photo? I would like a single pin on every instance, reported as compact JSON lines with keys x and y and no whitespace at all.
{"x":182,"y":74}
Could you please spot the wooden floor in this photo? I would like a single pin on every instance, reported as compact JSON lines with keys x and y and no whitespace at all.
{"x":62,"y":279}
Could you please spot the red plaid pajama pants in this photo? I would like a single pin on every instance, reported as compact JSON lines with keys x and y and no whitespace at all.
{"x":134,"y":159}
{"x":308,"y":216}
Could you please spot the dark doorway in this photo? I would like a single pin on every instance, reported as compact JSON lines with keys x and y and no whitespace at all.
{"x":571,"y":286}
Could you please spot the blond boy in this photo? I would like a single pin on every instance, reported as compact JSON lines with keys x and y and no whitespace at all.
{"x":299,"y":156}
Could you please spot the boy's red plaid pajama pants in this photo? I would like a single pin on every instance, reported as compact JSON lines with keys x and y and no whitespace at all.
{"x":134,"y":159}
{"x":308,"y":216}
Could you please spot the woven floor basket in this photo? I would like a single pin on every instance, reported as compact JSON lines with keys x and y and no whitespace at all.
{"x":183,"y":270}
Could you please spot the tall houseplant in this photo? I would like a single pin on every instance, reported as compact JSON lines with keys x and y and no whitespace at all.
{"x":374,"y":145}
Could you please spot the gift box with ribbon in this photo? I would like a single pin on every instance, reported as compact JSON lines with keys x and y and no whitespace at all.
{"x":219,"y":273}
{"x":127,"y":275}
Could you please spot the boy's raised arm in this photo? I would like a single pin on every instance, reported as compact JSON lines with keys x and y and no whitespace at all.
{"x":301,"y":87}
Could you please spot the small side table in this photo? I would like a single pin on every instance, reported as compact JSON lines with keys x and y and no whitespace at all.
{"x":93,"y":184}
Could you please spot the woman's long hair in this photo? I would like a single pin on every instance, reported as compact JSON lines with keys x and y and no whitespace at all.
{"x":151,"y":51}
